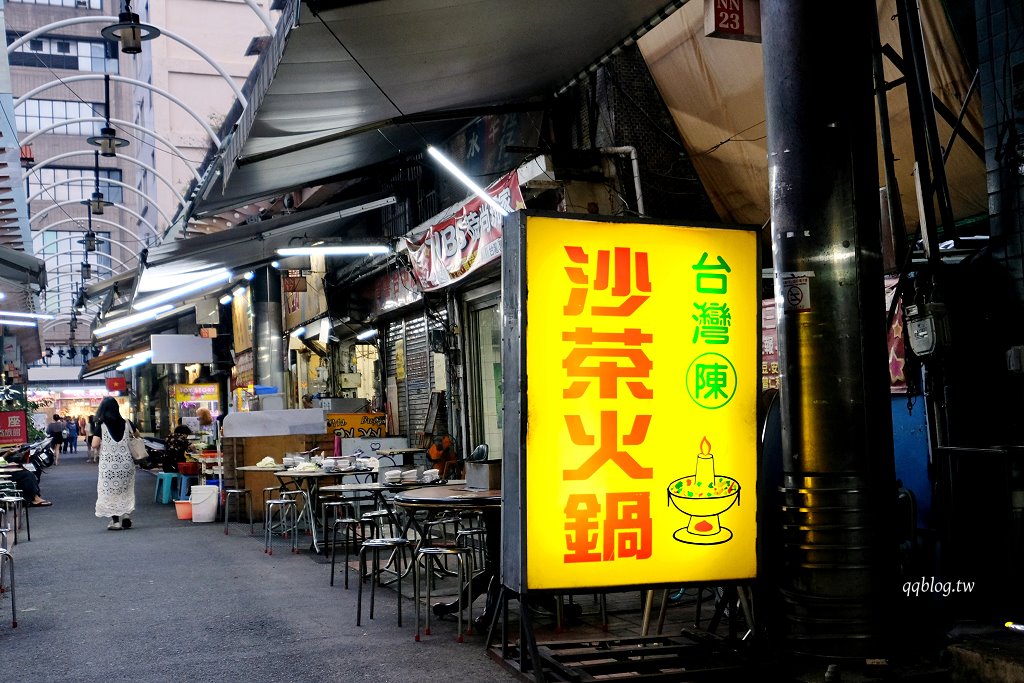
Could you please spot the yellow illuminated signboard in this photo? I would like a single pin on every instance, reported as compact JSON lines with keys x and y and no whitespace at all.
{"x":642,"y":364}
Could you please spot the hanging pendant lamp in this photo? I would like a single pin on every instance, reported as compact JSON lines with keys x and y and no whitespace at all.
{"x":129,"y":31}
{"x":107,"y":140}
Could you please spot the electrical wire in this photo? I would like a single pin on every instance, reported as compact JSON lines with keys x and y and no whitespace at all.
{"x":373,"y":80}
{"x":130,"y":134}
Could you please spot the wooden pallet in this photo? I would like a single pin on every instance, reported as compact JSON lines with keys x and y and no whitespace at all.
{"x":652,"y":659}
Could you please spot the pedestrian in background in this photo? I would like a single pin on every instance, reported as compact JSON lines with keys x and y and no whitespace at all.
{"x":55,"y":430}
{"x":71,"y":442}
{"x":93,"y":430}
{"x":115,"y":487}
{"x":64,"y":445}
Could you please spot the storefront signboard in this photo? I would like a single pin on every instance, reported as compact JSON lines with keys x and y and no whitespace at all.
{"x":190,"y":393}
{"x":357,"y":425}
{"x":13,"y":427}
{"x":642,"y":350}
{"x":392,"y":289}
{"x":463,"y":238}
{"x":243,"y":375}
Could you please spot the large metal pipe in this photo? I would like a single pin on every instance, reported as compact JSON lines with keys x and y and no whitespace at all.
{"x":837,"y":464}
{"x":268,"y":344}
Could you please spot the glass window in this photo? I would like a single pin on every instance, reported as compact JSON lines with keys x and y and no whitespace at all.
{"x":61,"y":53}
{"x":80,"y":4}
{"x":36,"y":114}
{"x":83,"y":185}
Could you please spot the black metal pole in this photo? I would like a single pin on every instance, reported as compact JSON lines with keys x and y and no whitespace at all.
{"x":838,"y":472}
{"x":922,"y":123}
{"x":896,"y":223}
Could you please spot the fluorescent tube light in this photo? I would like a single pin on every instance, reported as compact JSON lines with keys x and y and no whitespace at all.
{"x":275,"y":264}
{"x":218,"y":276}
{"x":137,"y":359}
{"x":130,"y":320}
{"x":455,"y":171}
{"x":250,"y":275}
{"x":238,"y":291}
{"x":16,"y":314}
{"x":336,"y":250}
{"x":368,"y":206}
{"x":366,"y":334}
{"x":298,"y":332}
{"x":226,"y":299}
{"x":17,"y":323}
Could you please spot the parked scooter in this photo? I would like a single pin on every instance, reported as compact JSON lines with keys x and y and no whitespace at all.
{"x":40,"y":454}
{"x":35,"y":456}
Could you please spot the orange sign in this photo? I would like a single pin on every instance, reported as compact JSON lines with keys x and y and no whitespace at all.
{"x":642,"y":353}
{"x":357,"y":425}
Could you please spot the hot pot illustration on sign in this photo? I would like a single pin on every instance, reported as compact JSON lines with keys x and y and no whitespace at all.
{"x":703,"y":496}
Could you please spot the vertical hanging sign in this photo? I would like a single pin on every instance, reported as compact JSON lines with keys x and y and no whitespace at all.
{"x":733,"y":19}
{"x":642,"y":356}
{"x":13,"y":427}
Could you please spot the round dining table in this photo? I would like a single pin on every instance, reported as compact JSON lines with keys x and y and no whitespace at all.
{"x":460,"y":498}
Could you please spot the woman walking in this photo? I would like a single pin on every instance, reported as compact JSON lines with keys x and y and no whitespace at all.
{"x":115,"y":488}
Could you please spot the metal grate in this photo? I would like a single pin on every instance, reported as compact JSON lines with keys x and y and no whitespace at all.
{"x":659,"y":658}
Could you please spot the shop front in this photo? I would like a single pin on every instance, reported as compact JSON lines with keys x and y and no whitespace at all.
{"x":457,"y":256}
{"x":189,"y":399}
{"x":80,"y":401}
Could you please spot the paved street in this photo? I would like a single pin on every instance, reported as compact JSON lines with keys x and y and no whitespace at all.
{"x":173,"y":600}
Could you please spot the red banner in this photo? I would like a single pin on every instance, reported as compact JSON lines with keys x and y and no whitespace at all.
{"x":116,"y":384}
{"x":13,"y":427}
{"x":466,"y":237}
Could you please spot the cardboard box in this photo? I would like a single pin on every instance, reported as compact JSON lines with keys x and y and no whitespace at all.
{"x":483,"y":475}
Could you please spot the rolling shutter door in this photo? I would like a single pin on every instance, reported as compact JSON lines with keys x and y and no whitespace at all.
{"x":410,"y":363}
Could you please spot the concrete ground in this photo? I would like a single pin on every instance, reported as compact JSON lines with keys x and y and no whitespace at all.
{"x":175,"y":600}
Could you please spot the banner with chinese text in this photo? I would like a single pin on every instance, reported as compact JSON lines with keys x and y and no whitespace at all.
{"x":642,"y":358}
{"x":464,"y":238}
